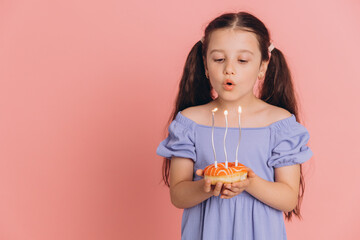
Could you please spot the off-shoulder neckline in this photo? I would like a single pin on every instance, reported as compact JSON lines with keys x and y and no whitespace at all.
{"x":284,"y":121}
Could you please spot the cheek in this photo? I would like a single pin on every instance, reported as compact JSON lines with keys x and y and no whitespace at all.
{"x":251,"y":74}
{"x":250,"y":69}
{"x":212,"y":82}
{"x":213,"y":69}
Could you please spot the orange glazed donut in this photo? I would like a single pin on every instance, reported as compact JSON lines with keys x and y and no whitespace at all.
{"x":225,"y":175}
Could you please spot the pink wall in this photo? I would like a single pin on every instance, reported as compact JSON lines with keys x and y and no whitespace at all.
{"x":87,"y":87}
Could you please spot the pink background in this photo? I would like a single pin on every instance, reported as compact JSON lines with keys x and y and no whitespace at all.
{"x":87,"y":88}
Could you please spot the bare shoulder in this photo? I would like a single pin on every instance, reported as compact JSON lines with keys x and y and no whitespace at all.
{"x":198,"y":114}
{"x":275,"y":113}
{"x":266,"y":114}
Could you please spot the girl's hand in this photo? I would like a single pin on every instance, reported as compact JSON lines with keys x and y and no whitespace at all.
{"x":227,"y":190}
{"x":233,"y":189}
{"x":215,"y":189}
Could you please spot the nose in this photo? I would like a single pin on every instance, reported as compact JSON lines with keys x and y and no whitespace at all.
{"x":229,"y":70}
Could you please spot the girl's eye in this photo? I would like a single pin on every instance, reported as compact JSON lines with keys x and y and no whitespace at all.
{"x":220,"y":59}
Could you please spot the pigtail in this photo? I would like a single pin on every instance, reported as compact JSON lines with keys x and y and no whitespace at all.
{"x":194,"y":87}
{"x":278,"y":90}
{"x":194,"y":90}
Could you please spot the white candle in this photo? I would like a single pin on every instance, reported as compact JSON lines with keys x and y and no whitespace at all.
{"x":212,"y":134}
{"x":226,"y":122}
{"x":237,"y":148}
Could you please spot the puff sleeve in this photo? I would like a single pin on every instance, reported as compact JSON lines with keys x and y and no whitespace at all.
{"x":289,"y":144}
{"x":180,"y":141}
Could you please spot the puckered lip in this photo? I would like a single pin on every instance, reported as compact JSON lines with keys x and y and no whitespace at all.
{"x":229,"y":82}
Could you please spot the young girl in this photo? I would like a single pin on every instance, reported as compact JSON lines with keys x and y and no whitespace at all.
{"x":220,"y":72}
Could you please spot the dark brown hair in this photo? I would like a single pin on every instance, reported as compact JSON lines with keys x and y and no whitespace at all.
{"x":276,"y":89}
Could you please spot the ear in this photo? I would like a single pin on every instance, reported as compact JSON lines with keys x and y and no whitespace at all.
{"x":263,"y":69}
{"x":264,"y":66}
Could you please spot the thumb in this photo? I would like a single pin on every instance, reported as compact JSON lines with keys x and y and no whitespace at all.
{"x":251,"y":173}
{"x":200,"y":172}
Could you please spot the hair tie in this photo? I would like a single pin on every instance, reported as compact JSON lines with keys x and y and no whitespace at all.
{"x":271,"y":47}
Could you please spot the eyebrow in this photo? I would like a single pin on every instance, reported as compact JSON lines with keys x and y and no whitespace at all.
{"x":240,"y":50}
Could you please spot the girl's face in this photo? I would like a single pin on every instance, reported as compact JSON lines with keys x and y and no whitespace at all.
{"x":233,"y":56}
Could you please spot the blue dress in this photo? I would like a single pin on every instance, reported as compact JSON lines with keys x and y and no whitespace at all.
{"x":262,"y":149}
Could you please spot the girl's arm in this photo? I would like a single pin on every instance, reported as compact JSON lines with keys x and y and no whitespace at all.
{"x":281,"y":194}
{"x":185,"y":192}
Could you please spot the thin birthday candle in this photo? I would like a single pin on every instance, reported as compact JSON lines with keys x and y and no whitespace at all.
{"x":212,"y":134}
{"x":226,"y":122}
{"x":237,"y":148}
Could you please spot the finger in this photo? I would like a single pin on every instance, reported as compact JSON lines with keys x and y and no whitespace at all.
{"x":232,"y":193}
{"x":200,"y":172}
{"x":207,"y":185}
{"x":217,"y":188}
{"x":226,"y":187}
{"x":225,"y":197}
{"x":226,"y":194}
{"x":251,"y":173}
{"x":239,"y":186}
